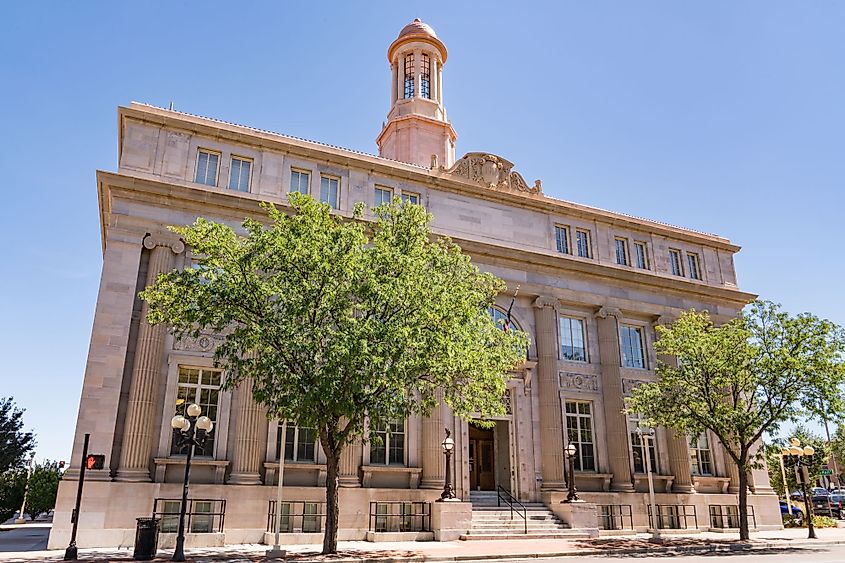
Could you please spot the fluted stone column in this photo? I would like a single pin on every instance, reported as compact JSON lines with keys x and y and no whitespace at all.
{"x":138,"y":439}
{"x":548,"y":390}
{"x":350,"y":462}
{"x":616,"y":423}
{"x":433,"y":461}
{"x":680,"y":465}
{"x":248,"y":451}
{"x":731,"y":469}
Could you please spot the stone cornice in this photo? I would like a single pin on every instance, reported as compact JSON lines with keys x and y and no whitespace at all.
{"x":235,"y":207}
{"x":439,"y":179}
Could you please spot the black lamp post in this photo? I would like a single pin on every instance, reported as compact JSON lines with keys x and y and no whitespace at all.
{"x":796,"y":455}
{"x":571,"y":451}
{"x":191,"y":431}
{"x":448,"y":445}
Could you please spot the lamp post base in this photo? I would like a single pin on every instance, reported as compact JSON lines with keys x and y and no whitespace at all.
{"x":275,"y":553}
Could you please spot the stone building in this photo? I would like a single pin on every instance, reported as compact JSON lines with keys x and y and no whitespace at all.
{"x":594,"y":284}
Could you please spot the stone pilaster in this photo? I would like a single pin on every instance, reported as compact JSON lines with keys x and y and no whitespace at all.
{"x":433,"y":433}
{"x":548,"y":390}
{"x":350,"y":462}
{"x":732,"y":470}
{"x":680,"y":465}
{"x":248,"y":451}
{"x":616,"y":423}
{"x":136,"y":451}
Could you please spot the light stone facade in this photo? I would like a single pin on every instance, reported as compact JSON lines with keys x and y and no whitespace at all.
{"x":506,"y":224}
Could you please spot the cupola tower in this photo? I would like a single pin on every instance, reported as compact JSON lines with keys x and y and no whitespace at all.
{"x":417,"y":129}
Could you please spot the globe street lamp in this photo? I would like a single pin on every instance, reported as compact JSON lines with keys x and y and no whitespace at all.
{"x":800,"y":458}
{"x":571,"y":452}
{"x":448,"y":445}
{"x":191,"y":431}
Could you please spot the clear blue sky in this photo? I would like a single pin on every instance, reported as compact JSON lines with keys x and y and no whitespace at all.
{"x":723,"y":116}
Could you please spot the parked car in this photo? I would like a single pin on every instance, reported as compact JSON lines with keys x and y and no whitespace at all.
{"x":796,"y":512}
{"x":822,"y":506}
{"x":820,"y":492}
{"x":837,"y":502}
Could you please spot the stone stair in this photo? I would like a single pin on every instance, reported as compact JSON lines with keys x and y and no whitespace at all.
{"x":490,"y":521}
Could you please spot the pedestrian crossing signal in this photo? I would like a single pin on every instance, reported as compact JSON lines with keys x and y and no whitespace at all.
{"x":95,"y":461}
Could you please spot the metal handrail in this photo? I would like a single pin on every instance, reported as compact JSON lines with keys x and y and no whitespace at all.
{"x":510,"y":500}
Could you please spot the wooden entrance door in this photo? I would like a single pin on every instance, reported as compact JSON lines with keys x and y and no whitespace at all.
{"x":482,"y":473}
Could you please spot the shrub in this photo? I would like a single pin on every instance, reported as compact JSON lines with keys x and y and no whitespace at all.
{"x":824,"y":522}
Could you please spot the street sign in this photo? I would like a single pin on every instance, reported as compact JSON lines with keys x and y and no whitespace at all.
{"x":826,"y":472}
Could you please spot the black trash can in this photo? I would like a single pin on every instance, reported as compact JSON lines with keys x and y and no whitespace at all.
{"x":146,"y":538}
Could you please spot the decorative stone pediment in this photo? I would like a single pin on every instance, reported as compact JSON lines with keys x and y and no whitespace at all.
{"x":579,"y":382}
{"x":493,"y":172}
{"x":205,"y":342}
{"x":628,"y":385}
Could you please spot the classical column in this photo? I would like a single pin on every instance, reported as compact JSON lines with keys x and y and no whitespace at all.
{"x":432,"y":77}
{"x":677,"y":444}
{"x":616,"y":423}
{"x":394,"y":88}
{"x":350,"y":462}
{"x":136,"y":451}
{"x":731,"y":469}
{"x":548,"y":391}
{"x":248,"y":451}
{"x":433,"y":433}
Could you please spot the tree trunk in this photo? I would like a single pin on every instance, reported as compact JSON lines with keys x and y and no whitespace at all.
{"x":743,"y":499}
{"x":332,"y":468}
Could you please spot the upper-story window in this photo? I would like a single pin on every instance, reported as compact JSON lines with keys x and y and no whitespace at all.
{"x":640,"y":255}
{"x":579,"y":432}
{"x":639,"y":445}
{"x":582,"y":243}
{"x":622,"y":251}
{"x":700,"y":457}
{"x":329,"y":190}
{"x":562,"y":239}
{"x":409,"y":76}
{"x":382,"y":195}
{"x":202,"y":387}
{"x":632,"y":346}
{"x":300,"y":444}
{"x":239,"y":174}
{"x":300,"y":181}
{"x":675,"y":262}
{"x":693,"y":265}
{"x":572,"y":339}
{"x":410,"y":197}
{"x":391,"y":450}
{"x":425,"y":77}
{"x":207,"y":164}
{"x":500,"y":319}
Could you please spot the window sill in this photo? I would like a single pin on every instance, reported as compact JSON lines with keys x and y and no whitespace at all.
{"x":219,"y":466}
{"x":663,"y":483}
{"x":720,"y":484}
{"x":413,"y":473}
{"x":271,"y":468}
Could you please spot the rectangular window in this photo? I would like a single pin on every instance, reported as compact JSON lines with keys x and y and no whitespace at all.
{"x":409,"y":76}
{"x":239,"y":174}
{"x":700,"y":457}
{"x":207,"y":164}
{"x":382,"y":195}
{"x":675,"y":262}
{"x":200,"y":386}
{"x":391,"y":450}
{"x":572,"y":340}
{"x":582,"y":243}
{"x":562,"y":239}
{"x":425,"y":77}
{"x":622,"y":251}
{"x":640,"y":255}
{"x":329,"y":191}
{"x":632,"y":346}
{"x":579,"y":431}
{"x":692,"y":263}
{"x":300,"y":444}
{"x":410,"y":197}
{"x":638,"y":446}
{"x":300,"y":181}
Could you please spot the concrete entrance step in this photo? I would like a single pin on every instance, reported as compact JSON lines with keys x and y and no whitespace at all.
{"x":560,"y":534}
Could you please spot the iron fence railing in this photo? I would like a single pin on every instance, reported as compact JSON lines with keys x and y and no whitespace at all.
{"x":297,"y":516}
{"x":727,"y":516}
{"x":399,"y":516}
{"x":616,"y":517}
{"x":674,"y":517}
{"x":202,"y":515}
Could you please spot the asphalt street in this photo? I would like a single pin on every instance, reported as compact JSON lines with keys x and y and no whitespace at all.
{"x":31,"y":537}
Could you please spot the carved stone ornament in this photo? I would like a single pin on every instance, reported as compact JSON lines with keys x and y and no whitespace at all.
{"x":579,"y":382}
{"x":493,"y":172}
{"x":164,"y":239}
{"x":506,"y":401}
{"x":628,"y":386}
{"x":205,"y":342}
{"x":605,"y":312}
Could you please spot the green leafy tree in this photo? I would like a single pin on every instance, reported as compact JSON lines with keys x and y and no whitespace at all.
{"x":343,"y":325}
{"x":837,"y":446}
{"x":15,"y":444}
{"x":43,"y":488}
{"x":817,"y":462}
{"x":12,"y":484}
{"x":742,"y":379}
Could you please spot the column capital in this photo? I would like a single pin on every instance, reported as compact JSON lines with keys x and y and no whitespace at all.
{"x":545,"y":301}
{"x":164,"y":239}
{"x":605,"y":312}
{"x":664,"y":320}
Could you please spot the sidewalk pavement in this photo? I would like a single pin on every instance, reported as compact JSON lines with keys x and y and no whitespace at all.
{"x":466,"y":551}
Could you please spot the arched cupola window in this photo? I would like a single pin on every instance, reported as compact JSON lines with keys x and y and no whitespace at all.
{"x":425,"y":77}
{"x":409,"y":76}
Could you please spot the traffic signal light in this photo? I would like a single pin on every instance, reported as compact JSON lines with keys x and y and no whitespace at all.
{"x":95,"y":461}
{"x":61,"y":464}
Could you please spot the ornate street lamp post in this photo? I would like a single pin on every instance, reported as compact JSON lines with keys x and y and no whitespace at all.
{"x":571,"y":451}
{"x":191,"y":431}
{"x":21,"y":519}
{"x":800,"y":459}
{"x":448,"y":445}
{"x":645,"y":435}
